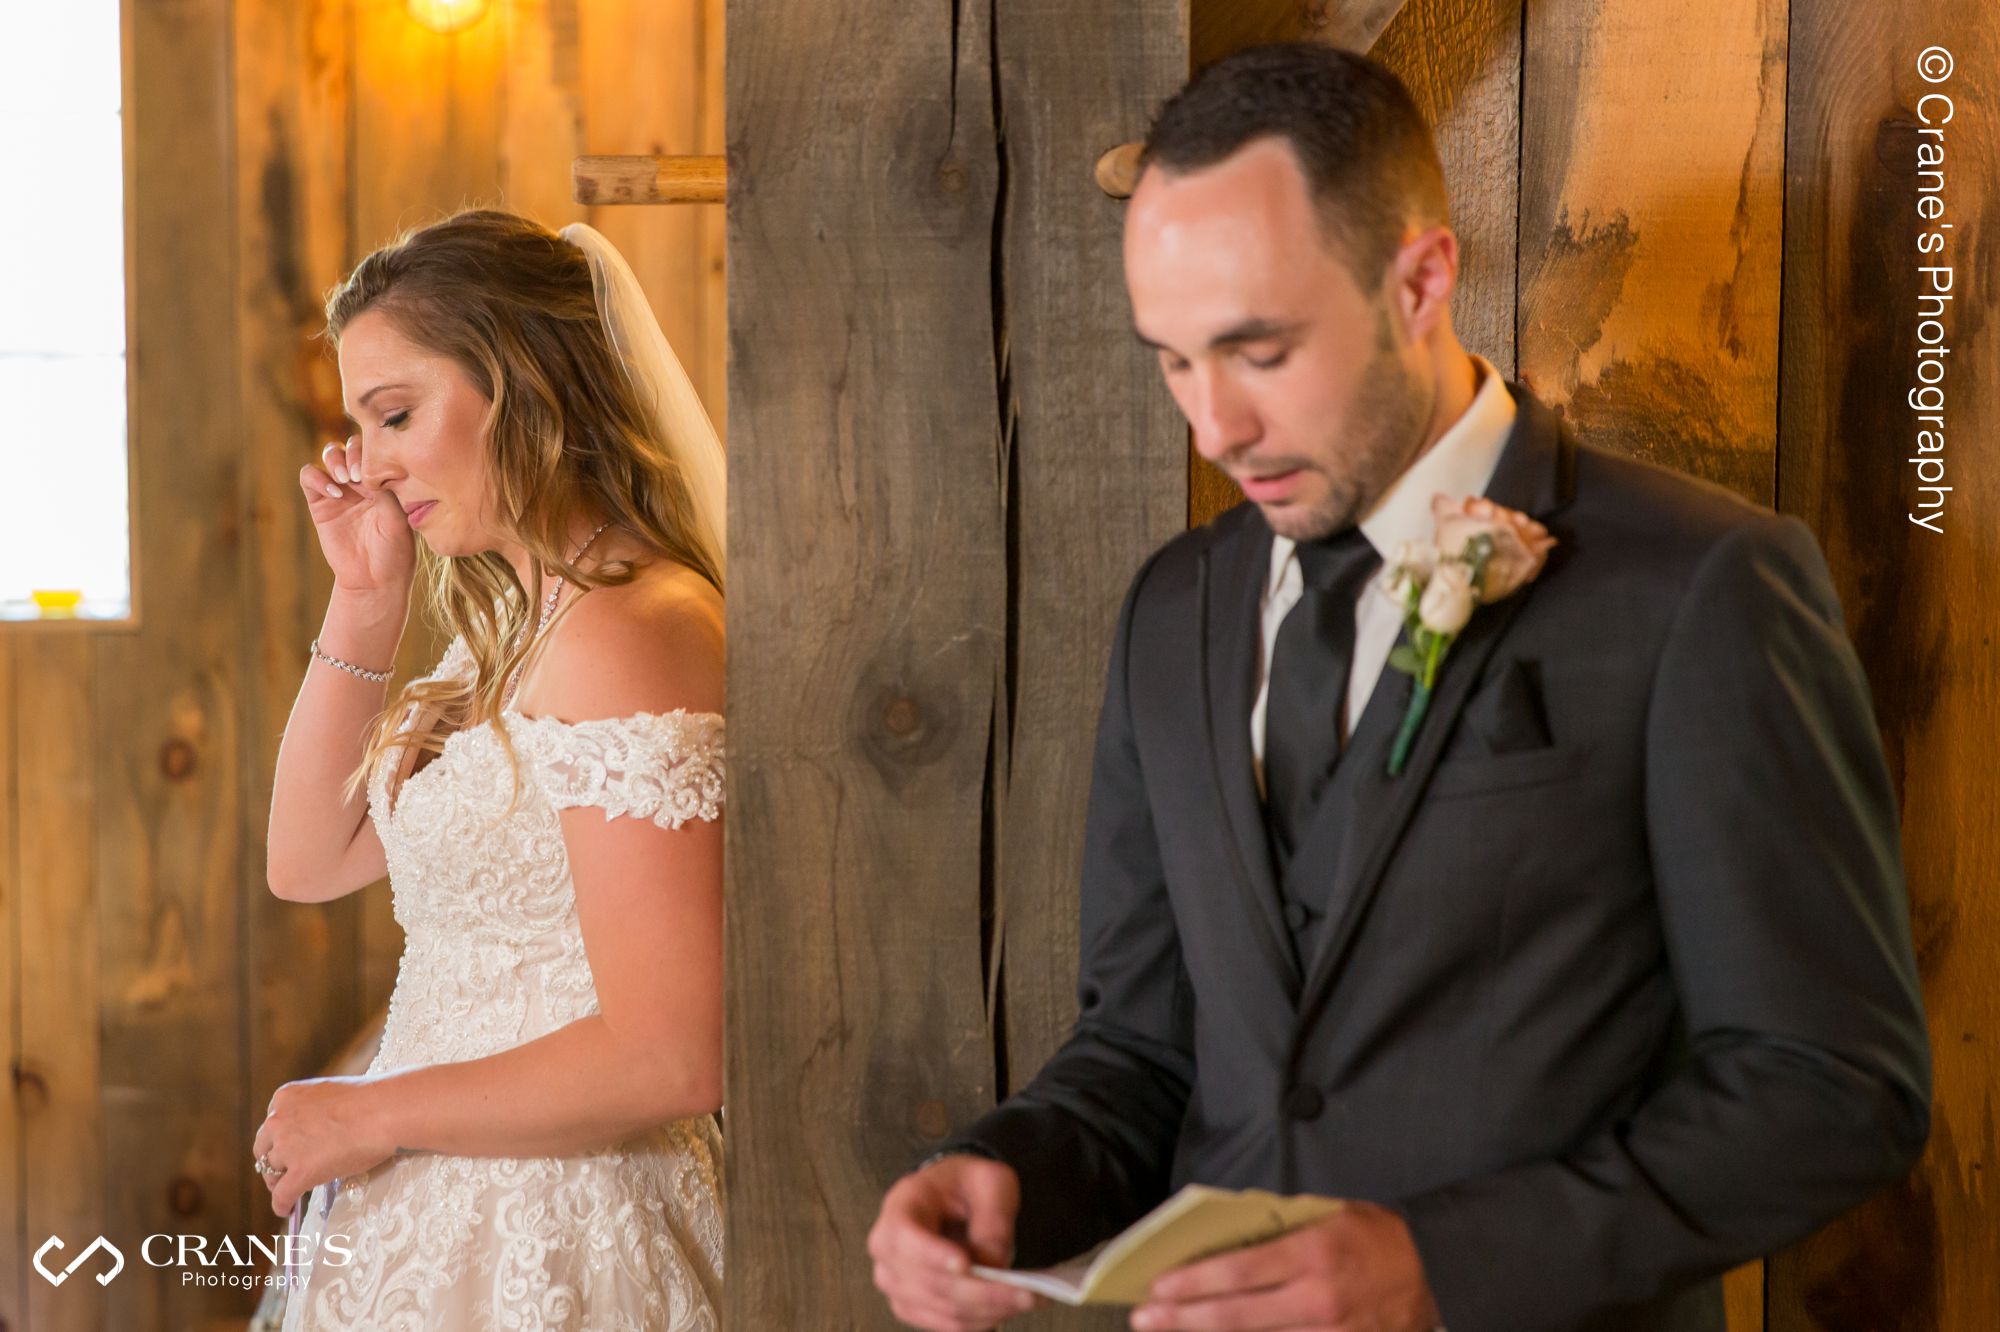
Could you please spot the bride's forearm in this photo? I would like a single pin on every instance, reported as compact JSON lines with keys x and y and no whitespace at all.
{"x":577,"y":1088}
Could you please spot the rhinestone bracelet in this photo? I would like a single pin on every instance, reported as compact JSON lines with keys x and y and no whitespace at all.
{"x":379,"y":677}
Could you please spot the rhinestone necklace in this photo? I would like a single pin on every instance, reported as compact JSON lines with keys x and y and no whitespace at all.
{"x":549,"y":609}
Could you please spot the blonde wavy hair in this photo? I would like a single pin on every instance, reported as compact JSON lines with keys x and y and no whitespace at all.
{"x":513,"y":304}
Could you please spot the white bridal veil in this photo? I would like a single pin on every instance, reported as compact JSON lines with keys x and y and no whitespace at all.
{"x":661,"y":382}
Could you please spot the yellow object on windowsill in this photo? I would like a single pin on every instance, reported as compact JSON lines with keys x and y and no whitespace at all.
{"x":57,"y":604}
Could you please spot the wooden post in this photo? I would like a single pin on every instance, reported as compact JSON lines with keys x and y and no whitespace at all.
{"x":1918,"y":603}
{"x":948,"y":457}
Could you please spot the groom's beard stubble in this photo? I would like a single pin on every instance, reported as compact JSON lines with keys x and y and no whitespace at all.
{"x":1388,"y":417}
{"x":1387,"y":421}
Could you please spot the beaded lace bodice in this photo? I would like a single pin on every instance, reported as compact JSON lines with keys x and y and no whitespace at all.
{"x":493,"y":955}
{"x":627,"y":1236}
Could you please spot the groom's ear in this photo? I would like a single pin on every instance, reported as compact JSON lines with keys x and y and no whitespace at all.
{"x":1424,"y":272}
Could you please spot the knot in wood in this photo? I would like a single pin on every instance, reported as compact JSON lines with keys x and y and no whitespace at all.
{"x":185,"y":1195}
{"x":177,"y":759}
{"x":902,"y":717}
{"x":932,"y":1119}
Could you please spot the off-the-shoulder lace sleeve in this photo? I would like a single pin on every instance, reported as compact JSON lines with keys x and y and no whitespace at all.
{"x":666,"y":767}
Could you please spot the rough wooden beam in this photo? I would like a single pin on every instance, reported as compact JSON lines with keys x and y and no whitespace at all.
{"x":650,"y":180}
{"x":863,"y":436}
{"x":1221,"y":26}
{"x":949,"y":457}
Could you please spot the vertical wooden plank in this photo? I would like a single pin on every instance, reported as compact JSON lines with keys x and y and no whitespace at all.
{"x":1918,"y":602}
{"x":427,"y":114}
{"x":168,"y":781}
{"x":292,"y":192}
{"x":866,"y":625}
{"x":657,"y":112}
{"x":1092,"y":475}
{"x":14,"y":1246}
{"x":541,"y":131}
{"x":427,"y":118}
{"x":1091,"y":465}
{"x":711,"y":377}
{"x":1650,"y":198}
{"x":55,"y":1084}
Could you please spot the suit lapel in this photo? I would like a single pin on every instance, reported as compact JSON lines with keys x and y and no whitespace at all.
{"x":1233,"y":573}
{"x":1535,"y":474}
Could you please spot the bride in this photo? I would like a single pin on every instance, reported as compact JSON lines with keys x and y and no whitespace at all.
{"x":535,"y":1142}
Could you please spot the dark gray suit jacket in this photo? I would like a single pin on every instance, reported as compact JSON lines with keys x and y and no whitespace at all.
{"x":1615,"y":987}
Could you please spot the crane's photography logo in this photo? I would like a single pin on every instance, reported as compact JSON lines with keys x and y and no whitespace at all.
{"x":57,"y":1278}
{"x":204,"y":1261}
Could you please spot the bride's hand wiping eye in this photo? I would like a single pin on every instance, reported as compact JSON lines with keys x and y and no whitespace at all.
{"x":363,"y":531}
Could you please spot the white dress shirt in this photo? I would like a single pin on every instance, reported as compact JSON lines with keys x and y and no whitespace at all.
{"x":1460,"y":464}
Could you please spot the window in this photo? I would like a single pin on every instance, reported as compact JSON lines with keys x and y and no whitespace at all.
{"x":65,"y":530}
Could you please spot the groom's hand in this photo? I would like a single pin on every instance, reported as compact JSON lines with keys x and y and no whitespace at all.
{"x":934,"y":1224}
{"x":1354,"y":1271}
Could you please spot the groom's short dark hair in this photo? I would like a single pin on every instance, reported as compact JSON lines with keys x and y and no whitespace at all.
{"x":1363,"y":146}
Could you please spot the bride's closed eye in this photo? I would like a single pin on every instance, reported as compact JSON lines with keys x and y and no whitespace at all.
{"x":392,"y":422}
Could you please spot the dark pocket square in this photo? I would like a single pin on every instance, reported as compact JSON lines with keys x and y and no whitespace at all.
{"x":1507,"y":712}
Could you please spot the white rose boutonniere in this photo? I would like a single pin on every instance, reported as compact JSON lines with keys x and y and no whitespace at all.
{"x":1481,"y":553}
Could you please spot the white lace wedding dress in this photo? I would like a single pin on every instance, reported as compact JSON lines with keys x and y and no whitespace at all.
{"x":627,"y":1237}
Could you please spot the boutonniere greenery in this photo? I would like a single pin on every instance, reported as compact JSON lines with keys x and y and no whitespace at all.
{"x":1480,"y":553}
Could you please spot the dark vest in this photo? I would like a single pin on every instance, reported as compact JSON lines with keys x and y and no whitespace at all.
{"x":1306,"y":882}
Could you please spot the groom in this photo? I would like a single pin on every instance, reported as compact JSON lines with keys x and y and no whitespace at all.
{"x":1609,"y":989}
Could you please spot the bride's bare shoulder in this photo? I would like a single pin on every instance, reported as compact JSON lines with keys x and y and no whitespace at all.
{"x":651,"y":645}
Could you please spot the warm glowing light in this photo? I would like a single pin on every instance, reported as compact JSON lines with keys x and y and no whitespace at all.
{"x":446,"y":15}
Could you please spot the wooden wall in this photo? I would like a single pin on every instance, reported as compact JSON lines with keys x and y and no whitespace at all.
{"x":1688,"y":224}
{"x":152,"y":991}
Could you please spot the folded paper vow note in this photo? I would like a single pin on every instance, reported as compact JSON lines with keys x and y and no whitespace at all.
{"x":1195,"y":1223}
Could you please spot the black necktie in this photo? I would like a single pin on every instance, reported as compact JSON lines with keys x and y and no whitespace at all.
{"x":1308,"y":682}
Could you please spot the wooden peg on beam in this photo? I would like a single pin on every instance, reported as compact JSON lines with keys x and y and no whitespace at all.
{"x":1117,"y":171}
{"x":649,"y":180}
{"x":1218,"y":29}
